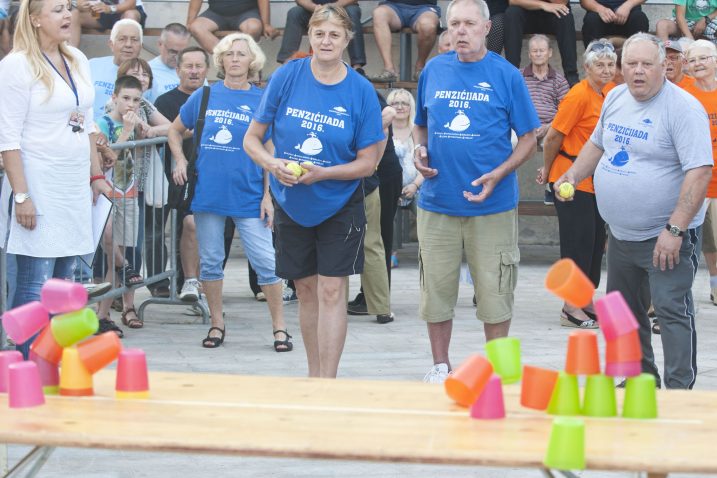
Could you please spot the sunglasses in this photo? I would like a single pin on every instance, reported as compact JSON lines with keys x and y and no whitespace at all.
{"x":601,"y":46}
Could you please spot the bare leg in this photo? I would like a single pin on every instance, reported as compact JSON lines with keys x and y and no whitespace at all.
{"x":496,"y":331}
{"x":384,"y":21}
{"x":203,"y":31}
{"x":426,"y":27}
{"x":306,"y":291}
{"x":332,"y":323}
{"x":252,"y":27}
{"x":439,"y":333}
{"x":711,"y":260}
{"x":274,"y":300}
{"x":213,"y":290}
{"x":665,"y":28}
{"x":189,"y":248}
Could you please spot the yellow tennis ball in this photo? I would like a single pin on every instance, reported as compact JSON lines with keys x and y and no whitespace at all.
{"x":294,"y":168}
{"x":566,"y":190}
{"x":303,"y":169}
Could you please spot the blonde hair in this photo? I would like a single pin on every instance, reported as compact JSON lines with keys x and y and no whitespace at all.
{"x":397,"y":94}
{"x":332,"y":13}
{"x":258,"y":60}
{"x":26,"y":41}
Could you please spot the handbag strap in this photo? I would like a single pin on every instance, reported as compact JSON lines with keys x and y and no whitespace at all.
{"x":199,"y":127}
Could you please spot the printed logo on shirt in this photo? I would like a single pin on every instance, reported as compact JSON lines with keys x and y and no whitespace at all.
{"x":620,"y":158}
{"x":108,"y":86}
{"x":339,"y":110}
{"x":244,"y":108}
{"x":624,"y":134}
{"x":223,"y":136}
{"x":311,"y":145}
{"x":483,"y":85}
{"x":228,"y":117}
{"x":460,"y":123}
{"x":647,"y":122}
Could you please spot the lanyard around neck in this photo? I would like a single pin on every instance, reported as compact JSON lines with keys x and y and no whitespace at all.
{"x":69,"y":75}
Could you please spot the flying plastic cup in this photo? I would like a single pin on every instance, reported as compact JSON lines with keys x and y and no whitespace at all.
{"x":640,"y":397}
{"x":566,"y":396}
{"x":504,"y":355}
{"x":22,"y":322}
{"x":59,"y":296}
{"x":599,"y":399}
{"x":567,"y":281}
{"x":25,"y":386}
{"x":467,"y":381}
{"x":132,"y":378}
{"x":70,"y":328}
{"x":614,"y":315}
{"x":490,"y":404}
{"x":582,"y":357}
{"x":566,"y":448}
{"x":537,"y":387}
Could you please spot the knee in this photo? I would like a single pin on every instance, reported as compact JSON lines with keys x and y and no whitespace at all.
{"x":305,"y":291}
{"x":426,"y":27}
{"x":132,"y":15}
{"x":381,"y":15}
{"x":294,"y":15}
{"x":188,"y":226}
{"x":331,"y":292}
{"x":252,"y":27}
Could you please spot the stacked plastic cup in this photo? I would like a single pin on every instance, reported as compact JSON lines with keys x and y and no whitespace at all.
{"x":490,"y":404}
{"x":22,"y":322}
{"x":467,"y":382}
{"x":623,"y":353}
{"x":537,"y":387}
{"x":7,"y":358}
{"x":75,"y":379}
{"x":25,"y":386}
{"x":504,"y":355}
{"x":59,"y":296}
{"x":565,"y":399}
{"x":640,"y":397}
{"x":49,"y":374}
{"x":72,"y":327}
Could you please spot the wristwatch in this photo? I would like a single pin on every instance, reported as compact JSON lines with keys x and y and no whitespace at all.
{"x":21,"y":197}
{"x":113,"y":9}
{"x":675,"y":231}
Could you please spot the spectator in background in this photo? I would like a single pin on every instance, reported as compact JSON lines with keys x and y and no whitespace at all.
{"x":252,"y":17}
{"x":496,"y":35}
{"x":444,"y":42}
{"x":192,"y":66}
{"x":618,"y":79}
{"x":102,"y":15}
{"x":173,"y":39}
{"x":6,"y":28}
{"x":605,"y":18}
{"x":422,"y":16}
{"x":126,"y":43}
{"x":297,"y":22}
{"x":542,"y":16}
{"x":675,"y":62}
{"x":692,"y":19}
{"x":547,"y":87}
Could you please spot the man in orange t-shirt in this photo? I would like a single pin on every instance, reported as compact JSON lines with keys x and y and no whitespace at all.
{"x":674,"y":59}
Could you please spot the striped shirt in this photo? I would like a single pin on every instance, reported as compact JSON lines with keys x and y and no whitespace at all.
{"x":546,"y":93}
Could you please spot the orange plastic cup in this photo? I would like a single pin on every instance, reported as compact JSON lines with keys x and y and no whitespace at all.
{"x":583,"y":357}
{"x":537,"y":387}
{"x":99,"y":351}
{"x":46,"y":347}
{"x":625,"y":348}
{"x":468,"y":381}
{"x":567,"y":281}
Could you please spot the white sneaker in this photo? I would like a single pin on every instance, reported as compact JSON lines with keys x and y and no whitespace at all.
{"x":190,"y":291}
{"x":437,"y":374}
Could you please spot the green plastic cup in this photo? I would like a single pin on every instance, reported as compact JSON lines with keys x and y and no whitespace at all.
{"x":504,"y":355}
{"x":599,"y":399}
{"x":70,"y":328}
{"x":566,"y":448}
{"x":565,"y":399}
{"x":640,"y":397}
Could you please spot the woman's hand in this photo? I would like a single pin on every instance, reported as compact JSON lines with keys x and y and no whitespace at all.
{"x":267,"y":210}
{"x":281,"y":172}
{"x":108,"y":156}
{"x":99,"y":186}
{"x":409,"y":190}
{"x":541,"y":177}
{"x":179,"y":175}
{"x":25,"y":214}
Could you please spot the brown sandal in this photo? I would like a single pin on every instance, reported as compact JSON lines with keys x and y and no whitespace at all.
{"x":132,"y":323}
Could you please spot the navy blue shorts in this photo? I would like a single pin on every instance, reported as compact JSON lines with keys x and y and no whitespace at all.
{"x":408,"y":14}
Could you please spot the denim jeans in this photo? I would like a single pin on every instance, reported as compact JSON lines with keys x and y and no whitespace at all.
{"x":32,"y":273}
{"x":256,"y":240}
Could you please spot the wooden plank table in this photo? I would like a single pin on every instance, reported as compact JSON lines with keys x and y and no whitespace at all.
{"x":355,"y":420}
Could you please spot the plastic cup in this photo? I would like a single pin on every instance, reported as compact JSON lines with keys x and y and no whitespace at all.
{"x":537,"y":387}
{"x":100,"y":351}
{"x":625,"y":348}
{"x":566,"y":448}
{"x":490,"y":404}
{"x":70,"y":328}
{"x":49,"y":374}
{"x":565,"y":399}
{"x":21,"y":323}
{"x":7,"y":358}
{"x":504,"y":355}
{"x":599,"y":399}
{"x":567,"y":281}
{"x":583,"y":357}
{"x":623,"y":369}
{"x":614,"y":315}
{"x":132,"y":380}
{"x":59,"y":296}
{"x":75,"y":380}
{"x":467,"y":381}
{"x":46,"y":346}
{"x":25,"y":386}
{"x":640,"y":397}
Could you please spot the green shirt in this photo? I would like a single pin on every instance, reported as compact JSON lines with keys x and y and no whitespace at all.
{"x":696,"y":9}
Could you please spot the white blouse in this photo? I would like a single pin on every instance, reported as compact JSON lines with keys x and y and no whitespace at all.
{"x":56,"y":161}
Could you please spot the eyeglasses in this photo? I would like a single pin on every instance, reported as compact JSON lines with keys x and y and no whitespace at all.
{"x":700,"y":59}
{"x":401,"y":104}
{"x":600,"y":46}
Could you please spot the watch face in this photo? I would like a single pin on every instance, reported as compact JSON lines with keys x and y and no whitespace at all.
{"x":675,"y":231}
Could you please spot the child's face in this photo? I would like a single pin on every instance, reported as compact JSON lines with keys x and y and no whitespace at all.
{"x":127,"y":99}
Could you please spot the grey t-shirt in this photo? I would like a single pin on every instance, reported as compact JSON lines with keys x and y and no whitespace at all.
{"x":648,"y":147}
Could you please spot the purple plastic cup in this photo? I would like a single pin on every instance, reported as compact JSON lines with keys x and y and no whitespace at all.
{"x":60,"y":296}
{"x":25,"y":385}
{"x":6,"y":358}
{"x":614,"y":316}
{"x":21,"y":323}
{"x":490,"y":404}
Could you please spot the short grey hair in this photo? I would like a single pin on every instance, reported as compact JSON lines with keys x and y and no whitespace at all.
{"x":175,"y":28}
{"x":482,"y":6}
{"x":594,"y":52}
{"x":225,"y":44}
{"x":539,"y":37}
{"x":124,"y":22}
{"x":645,"y":37}
{"x":702,"y":44}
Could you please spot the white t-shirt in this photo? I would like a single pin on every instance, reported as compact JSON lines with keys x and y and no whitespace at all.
{"x":4,"y":6}
{"x":104,"y":75}
{"x":164,"y":79}
{"x":56,"y":161}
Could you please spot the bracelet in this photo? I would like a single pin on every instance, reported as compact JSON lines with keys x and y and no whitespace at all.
{"x":707,"y":19}
{"x":95,"y":178}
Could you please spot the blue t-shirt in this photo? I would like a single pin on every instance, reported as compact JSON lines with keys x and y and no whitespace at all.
{"x":324,"y":124}
{"x":164,"y":79}
{"x":229,"y":183}
{"x":104,"y":75}
{"x":469,"y":109}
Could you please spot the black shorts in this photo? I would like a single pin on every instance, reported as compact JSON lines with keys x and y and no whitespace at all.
{"x":230,"y":22}
{"x":108,"y":20}
{"x":333,"y":248}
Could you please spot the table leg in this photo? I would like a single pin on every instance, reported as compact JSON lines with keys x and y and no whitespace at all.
{"x":34,"y":460}
{"x":3,"y":455}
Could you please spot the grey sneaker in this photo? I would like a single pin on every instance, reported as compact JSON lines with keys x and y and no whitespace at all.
{"x":190,"y":291}
{"x":196,"y":311}
{"x":288,"y":294}
{"x":94,"y":290}
{"x":438,"y":374}
{"x":385,"y":77}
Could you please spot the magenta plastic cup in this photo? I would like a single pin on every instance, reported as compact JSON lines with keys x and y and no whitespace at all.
{"x":60,"y":296}
{"x":21,"y":323}
{"x":623,"y":369}
{"x":7,"y":357}
{"x":614,"y":315}
{"x":25,"y":385}
{"x":49,"y":374}
{"x":490,"y":404}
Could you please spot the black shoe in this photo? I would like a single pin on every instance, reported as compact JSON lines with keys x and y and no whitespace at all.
{"x":622,"y":384}
{"x":385,"y":318}
{"x":549,"y":198}
{"x":357,"y":309}
{"x":359,"y":299}
{"x":475,"y":303}
{"x":106,"y":325}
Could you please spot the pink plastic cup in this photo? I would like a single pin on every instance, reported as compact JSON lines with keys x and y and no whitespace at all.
{"x":6,"y":358}
{"x":21,"y":323}
{"x":60,"y":296}
{"x":623,"y":369}
{"x":49,"y":374}
{"x":614,"y":315}
{"x":490,"y":404}
{"x":25,"y":385}
{"x":132,"y":380}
